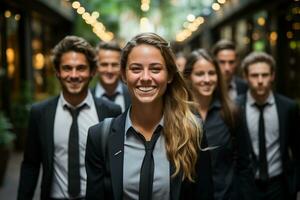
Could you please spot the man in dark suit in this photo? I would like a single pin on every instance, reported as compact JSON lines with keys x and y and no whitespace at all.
{"x":58,"y":126}
{"x":270,"y":121}
{"x":109,"y":85}
{"x":226,"y":56}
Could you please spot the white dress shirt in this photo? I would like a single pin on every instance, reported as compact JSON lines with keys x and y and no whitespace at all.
{"x":232,"y":90}
{"x":134,"y":152}
{"x":62,"y":124}
{"x":120,"y":100}
{"x":271,"y":132}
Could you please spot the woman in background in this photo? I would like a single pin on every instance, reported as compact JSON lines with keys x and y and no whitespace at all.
{"x":230,"y":158}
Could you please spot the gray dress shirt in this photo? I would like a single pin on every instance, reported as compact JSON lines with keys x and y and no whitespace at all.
{"x":271,"y":130}
{"x":120,"y":100}
{"x":134,"y":151}
{"x":62,"y":123}
{"x":232,"y":91}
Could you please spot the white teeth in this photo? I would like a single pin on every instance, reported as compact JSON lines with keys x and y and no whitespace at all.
{"x":145,"y":89}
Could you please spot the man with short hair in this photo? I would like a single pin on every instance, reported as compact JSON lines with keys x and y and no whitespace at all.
{"x":58,"y":127}
{"x":109,"y":85}
{"x":270,"y":121}
{"x":227,"y":58}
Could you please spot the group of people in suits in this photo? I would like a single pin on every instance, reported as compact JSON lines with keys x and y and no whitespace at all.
{"x":188,"y":133}
{"x":230,"y":158}
{"x":252,"y":127}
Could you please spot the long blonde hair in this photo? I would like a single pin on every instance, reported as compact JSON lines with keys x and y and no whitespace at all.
{"x":182,"y":130}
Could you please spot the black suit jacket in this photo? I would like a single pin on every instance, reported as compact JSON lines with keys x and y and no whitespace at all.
{"x":40,"y":145}
{"x":105,"y":175}
{"x":288,"y":115}
{"x":126,"y":95}
{"x":241,"y":85}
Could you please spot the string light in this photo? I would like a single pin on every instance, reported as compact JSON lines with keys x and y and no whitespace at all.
{"x":145,"y":5}
{"x":190,"y":27}
{"x":92,"y":19}
{"x":193,"y":24}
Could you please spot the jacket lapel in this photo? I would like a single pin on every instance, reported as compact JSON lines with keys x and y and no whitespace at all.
{"x":49,"y":128}
{"x":175,"y":183}
{"x":98,"y":109}
{"x":116,"y":155}
{"x":281,"y":122}
{"x":244,"y":118}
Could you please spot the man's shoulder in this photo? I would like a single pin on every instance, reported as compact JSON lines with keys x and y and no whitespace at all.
{"x":45,"y":103}
{"x":241,"y":99}
{"x":284,"y":99}
{"x":239,"y":80}
{"x":241,"y":83}
{"x":101,"y":102}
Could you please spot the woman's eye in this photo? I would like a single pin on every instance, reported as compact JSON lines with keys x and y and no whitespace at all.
{"x":212,"y":72}
{"x":135,"y":69}
{"x":199,"y":73}
{"x":155,"y":70}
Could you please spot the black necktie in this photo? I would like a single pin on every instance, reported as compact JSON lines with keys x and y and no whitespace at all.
{"x":263,"y":163}
{"x":111,"y":97}
{"x":73,"y":154}
{"x":147,"y":169}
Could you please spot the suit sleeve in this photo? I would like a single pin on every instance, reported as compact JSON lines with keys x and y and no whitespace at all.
{"x":94,"y":163}
{"x":107,"y":109}
{"x":30,"y":166}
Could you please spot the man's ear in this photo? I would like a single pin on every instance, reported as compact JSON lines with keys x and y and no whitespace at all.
{"x":57,"y":73}
{"x":93,"y":72}
{"x":273,"y":76}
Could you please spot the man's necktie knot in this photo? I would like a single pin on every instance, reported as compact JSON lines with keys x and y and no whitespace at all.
{"x":261,"y":107}
{"x":111,"y":97}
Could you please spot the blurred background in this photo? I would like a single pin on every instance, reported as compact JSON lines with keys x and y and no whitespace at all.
{"x":29,"y":29}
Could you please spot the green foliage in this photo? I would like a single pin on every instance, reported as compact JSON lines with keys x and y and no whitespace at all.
{"x":6,"y":136}
{"x":53,"y":86}
{"x":21,"y":106}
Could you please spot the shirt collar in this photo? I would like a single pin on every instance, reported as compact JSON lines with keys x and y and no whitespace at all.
{"x":215,"y":103}
{"x":270,"y":100}
{"x":232,"y":84}
{"x":100,"y":90}
{"x":88,"y":101}
{"x":128,"y":122}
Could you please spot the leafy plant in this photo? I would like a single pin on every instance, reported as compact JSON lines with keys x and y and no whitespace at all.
{"x":6,"y":136}
{"x":21,"y":106}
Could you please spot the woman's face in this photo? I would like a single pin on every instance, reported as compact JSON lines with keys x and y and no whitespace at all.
{"x":204,"y":77}
{"x":146,"y":74}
